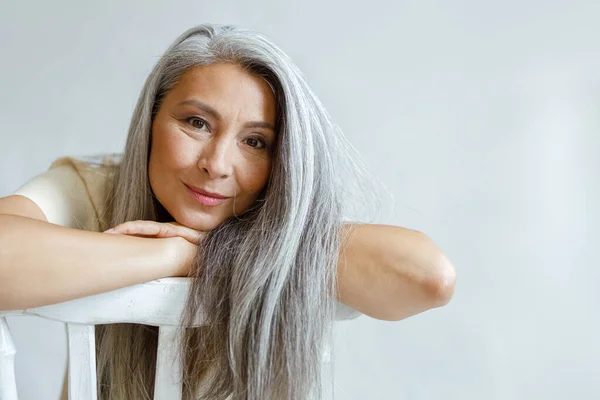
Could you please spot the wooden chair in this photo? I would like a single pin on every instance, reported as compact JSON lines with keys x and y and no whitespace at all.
{"x":158,"y":303}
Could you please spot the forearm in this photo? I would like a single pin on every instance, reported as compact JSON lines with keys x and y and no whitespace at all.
{"x":43,"y":263}
{"x":391,"y":273}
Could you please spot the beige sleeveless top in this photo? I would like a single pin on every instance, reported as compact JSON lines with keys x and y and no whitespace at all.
{"x":73,"y":191}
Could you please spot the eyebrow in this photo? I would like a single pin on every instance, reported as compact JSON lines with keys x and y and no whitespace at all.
{"x":217,"y":116}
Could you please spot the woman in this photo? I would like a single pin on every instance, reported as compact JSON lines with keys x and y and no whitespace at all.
{"x":230,"y":175}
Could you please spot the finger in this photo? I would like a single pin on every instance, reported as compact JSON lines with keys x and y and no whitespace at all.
{"x":133,"y":228}
{"x":157,"y":229}
{"x":191,"y":235}
{"x":146,"y":228}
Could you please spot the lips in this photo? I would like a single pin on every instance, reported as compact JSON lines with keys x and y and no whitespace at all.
{"x":205,"y":197}
{"x":207,"y":193}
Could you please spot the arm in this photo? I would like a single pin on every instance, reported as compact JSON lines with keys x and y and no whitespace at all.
{"x":391,"y":273}
{"x":43,"y":263}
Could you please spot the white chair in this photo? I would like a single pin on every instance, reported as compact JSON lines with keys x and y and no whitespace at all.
{"x":158,"y":303}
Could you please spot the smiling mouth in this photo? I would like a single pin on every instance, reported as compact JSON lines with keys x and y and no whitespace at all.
{"x":205,"y":199}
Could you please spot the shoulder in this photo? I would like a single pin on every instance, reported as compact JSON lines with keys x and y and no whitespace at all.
{"x":74,"y":191}
{"x":97,"y":174}
{"x":96,"y":166}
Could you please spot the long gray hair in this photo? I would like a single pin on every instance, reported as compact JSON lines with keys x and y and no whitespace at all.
{"x":265,"y":280}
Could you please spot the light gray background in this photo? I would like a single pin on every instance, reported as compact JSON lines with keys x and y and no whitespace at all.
{"x":481,"y":118}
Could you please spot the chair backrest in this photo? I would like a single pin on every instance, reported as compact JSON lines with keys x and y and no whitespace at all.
{"x":158,"y":303}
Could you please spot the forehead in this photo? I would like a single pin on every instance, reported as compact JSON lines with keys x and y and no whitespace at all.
{"x":228,"y":88}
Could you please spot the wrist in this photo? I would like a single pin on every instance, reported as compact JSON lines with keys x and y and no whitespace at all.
{"x":167,"y":254}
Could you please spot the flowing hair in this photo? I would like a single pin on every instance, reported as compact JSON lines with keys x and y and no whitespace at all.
{"x":265,"y":281}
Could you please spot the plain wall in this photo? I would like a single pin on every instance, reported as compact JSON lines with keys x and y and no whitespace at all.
{"x":481,"y":118}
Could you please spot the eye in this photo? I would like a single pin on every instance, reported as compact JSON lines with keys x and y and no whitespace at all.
{"x":197,"y":123}
{"x":256,"y":143}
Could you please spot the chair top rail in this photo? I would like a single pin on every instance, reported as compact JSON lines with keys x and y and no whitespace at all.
{"x":159,"y":302}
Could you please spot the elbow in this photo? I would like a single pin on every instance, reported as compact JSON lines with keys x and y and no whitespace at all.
{"x":434,"y":292}
{"x":444,"y":281}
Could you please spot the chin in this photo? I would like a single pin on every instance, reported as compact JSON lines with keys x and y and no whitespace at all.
{"x":200,"y":223}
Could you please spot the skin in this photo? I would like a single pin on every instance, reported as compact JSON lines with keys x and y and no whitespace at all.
{"x":228,"y":151}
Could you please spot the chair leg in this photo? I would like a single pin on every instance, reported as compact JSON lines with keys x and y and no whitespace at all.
{"x":8,"y":384}
{"x":82,"y":362}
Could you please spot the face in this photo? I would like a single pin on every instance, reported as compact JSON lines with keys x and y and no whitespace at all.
{"x":212,"y":145}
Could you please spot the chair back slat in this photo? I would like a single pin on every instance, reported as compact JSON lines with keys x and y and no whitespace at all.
{"x":82,"y":362}
{"x":8,"y":384}
{"x":167,"y":383}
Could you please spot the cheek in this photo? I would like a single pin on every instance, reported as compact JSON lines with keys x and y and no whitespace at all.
{"x":170,"y":152}
{"x":254,"y":179}
{"x":155,"y":170}
{"x":163,"y":165}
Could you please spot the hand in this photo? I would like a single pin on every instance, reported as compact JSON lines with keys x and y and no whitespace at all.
{"x":182,"y":242}
{"x":157,"y":230}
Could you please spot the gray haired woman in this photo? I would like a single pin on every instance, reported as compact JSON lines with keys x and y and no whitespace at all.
{"x":232,"y":175}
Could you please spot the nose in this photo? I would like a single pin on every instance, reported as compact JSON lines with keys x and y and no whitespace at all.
{"x":216,"y":158}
